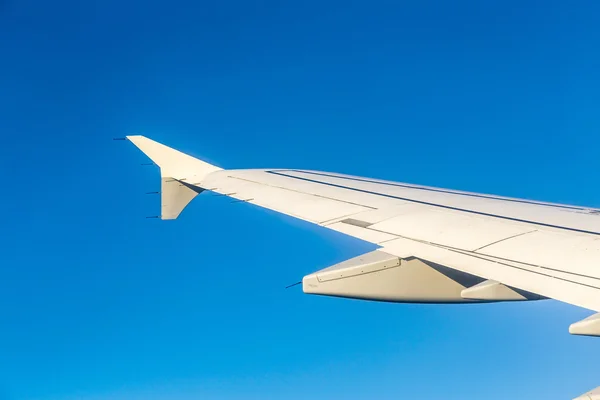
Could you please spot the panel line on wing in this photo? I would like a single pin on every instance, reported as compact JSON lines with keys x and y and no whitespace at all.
{"x":428,"y":189}
{"x":503,"y":239}
{"x":528,"y":270}
{"x":435,"y":204}
{"x":301,"y":192}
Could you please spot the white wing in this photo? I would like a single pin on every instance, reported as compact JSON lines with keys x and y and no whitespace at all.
{"x":437,"y":245}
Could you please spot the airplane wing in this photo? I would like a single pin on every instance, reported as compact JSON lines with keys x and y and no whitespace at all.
{"x":435,"y":245}
{"x":591,"y":395}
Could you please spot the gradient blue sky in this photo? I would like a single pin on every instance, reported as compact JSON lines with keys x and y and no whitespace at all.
{"x":97,"y":302}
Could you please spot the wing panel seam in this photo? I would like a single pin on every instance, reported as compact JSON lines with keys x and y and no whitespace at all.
{"x":298,"y":191}
{"x":458,"y":193}
{"x":437,"y":205}
{"x":503,"y":239}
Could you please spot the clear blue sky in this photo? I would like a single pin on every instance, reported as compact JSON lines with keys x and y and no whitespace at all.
{"x":97,"y":302}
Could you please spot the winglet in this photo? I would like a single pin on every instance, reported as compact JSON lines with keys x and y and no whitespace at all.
{"x":178,"y":171}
